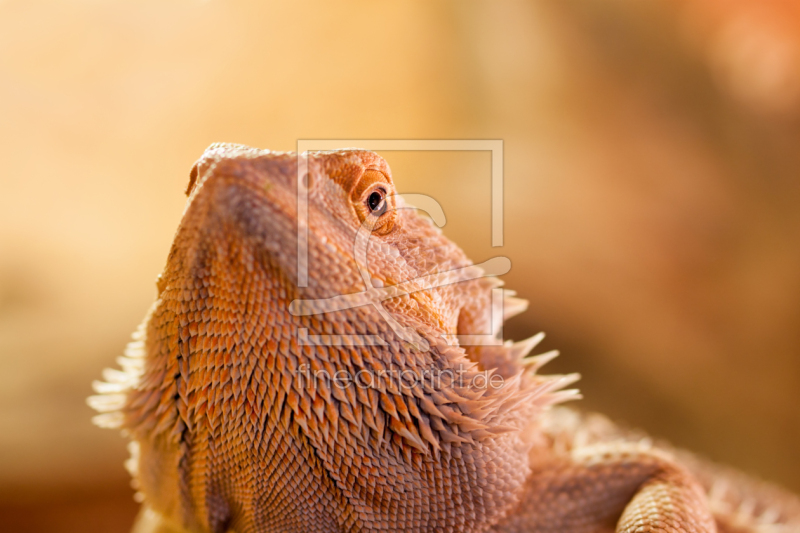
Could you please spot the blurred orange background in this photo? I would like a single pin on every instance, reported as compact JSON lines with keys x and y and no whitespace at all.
{"x":652,"y":196}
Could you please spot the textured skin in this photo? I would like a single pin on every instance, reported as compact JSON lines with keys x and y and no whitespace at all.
{"x":238,"y":421}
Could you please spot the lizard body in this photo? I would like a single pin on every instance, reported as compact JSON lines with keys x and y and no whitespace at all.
{"x":256,"y":404}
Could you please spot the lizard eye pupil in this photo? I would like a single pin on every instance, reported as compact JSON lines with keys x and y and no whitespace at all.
{"x":374,"y":200}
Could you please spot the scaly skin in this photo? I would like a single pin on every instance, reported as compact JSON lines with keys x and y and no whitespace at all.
{"x":240,"y":422}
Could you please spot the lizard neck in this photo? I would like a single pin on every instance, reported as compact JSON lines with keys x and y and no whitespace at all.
{"x":236,"y":397}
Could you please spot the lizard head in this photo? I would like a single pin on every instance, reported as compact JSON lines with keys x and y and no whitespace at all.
{"x":333,"y":224}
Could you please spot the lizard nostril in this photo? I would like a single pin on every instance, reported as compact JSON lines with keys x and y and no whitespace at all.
{"x":192,"y":180}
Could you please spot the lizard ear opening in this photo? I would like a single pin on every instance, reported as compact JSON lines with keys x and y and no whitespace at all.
{"x":192,"y":180}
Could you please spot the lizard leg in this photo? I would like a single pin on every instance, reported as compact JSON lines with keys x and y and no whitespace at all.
{"x":669,"y":501}
{"x":597,"y":489}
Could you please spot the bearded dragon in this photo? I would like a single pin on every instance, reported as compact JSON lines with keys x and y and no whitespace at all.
{"x":321,"y":358}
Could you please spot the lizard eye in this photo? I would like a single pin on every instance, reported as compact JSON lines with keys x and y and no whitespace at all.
{"x":372,"y":198}
{"x":375,"y":202}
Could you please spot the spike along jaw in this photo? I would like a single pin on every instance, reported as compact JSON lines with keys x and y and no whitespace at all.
{"x":227,"y":387}
{"x":481,"y":317}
